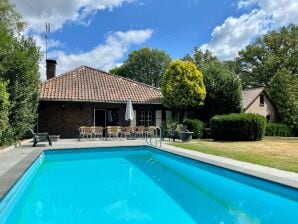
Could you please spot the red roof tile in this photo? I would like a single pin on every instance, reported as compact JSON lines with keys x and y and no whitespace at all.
{"x":91,"y":85}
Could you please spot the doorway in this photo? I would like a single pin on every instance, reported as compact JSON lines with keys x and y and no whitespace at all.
{"x":99,"y":117}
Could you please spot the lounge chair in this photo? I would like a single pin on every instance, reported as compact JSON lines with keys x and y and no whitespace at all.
{"x":184,"y":134}
{"x":40,"y":137}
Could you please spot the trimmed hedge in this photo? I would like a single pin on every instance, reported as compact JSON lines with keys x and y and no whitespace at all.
{"x":238,"y":127}
{"x":196,"y":126}
{"x":277,"y":129}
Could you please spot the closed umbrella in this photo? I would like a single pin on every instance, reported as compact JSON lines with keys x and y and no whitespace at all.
{"x":129,"y":110}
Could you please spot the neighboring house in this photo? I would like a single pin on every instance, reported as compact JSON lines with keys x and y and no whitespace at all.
{"x":86,"y":96}
{"x":257,"y":101}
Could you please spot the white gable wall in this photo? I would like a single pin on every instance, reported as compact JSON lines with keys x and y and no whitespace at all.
{"x":265,"y":110}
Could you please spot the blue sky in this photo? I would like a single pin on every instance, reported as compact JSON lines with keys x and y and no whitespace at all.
{"x":101,"y":33}
{"x":178,"y":27}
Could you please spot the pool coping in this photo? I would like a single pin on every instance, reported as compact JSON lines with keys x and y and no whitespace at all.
{"x":12,"y":175}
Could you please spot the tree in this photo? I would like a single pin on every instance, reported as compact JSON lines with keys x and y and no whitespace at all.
{"x":283,"y":89}
{"x":223,"y":86}
{"x":10,"y":20}
{"x":19,"y":59}
{"x":144,"y":65}
{"x":182,"y":86}
{"x":224,"y":92}
{"x":259,"y":61}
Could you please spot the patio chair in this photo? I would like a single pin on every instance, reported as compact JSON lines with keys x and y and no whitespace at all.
{"x":40,"y":137}
{"x":149,"y":132}
{"x":140,"y":131}
{"x":128,"y":132}
{"x":85,"y":132}
{"x":98,"y":132}
{"x":112,"y":132}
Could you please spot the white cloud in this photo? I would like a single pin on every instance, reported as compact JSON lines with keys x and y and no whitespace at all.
{"x":235,"y":33}
{"x":58,"y":12}
{"x":246,"y":3}
{"x":104,"y":56}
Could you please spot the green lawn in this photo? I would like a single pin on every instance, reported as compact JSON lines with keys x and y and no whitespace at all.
{"x":277,"y":152}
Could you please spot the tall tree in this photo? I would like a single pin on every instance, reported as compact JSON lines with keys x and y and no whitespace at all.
{"x":259,"y":61}
{"x":144,"y":65}
{"x":223,"y":86}
{"x":224,"y":92}
{"x":19,"y":58}
{"x":182,"y":86}
{"x":283,"y":89}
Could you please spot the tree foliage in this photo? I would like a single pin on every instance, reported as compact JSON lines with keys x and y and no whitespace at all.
{"x":144,"y":65}
{"x":19,"y":59}
{"x":182,"y":86}
{"x":283,"y":89}
{"x":259,"y":61}
{"x":10,"y":20}
{"x":223,"y":87}
{"x":4,"y":107}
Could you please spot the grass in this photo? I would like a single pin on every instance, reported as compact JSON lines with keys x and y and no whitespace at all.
{"x":276,"y":152}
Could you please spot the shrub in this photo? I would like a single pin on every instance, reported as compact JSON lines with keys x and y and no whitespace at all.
{"x":196,"y":126}
{"x":238,"y":127}
{"x":276,"y":129}
{"x":4,"y":107}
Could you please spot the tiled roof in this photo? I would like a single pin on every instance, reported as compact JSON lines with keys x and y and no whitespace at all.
{"x":250,"y":95}
{"x":91,"y":85}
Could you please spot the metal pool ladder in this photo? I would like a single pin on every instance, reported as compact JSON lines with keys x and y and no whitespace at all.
{"x":154,"y":135}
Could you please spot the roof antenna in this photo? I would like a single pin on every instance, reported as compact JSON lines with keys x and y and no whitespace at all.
{"x":48,"y":30}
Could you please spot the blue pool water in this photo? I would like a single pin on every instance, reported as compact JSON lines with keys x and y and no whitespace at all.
{"x":141,"y":185}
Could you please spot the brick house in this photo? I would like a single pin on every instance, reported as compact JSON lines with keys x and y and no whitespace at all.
{"x":257,"y":101}
{"x":86,"y":96}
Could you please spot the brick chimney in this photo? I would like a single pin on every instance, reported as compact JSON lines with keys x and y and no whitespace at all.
{"x":51,"y":68}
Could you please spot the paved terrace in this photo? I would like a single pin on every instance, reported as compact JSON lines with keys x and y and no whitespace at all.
{"x":15,"y":161}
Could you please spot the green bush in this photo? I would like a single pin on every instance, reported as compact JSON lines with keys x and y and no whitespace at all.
{"x":276,"y":129}
{"x":4,"y":107}
{"x":196,"y":126}
{"x":238,"y":127}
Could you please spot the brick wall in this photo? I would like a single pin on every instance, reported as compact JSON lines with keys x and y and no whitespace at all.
{"x":64,"y":118}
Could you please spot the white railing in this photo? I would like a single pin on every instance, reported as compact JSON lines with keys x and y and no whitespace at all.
{"x":149,"y":137}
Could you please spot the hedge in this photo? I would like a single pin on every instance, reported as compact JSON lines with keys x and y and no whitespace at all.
{"x":238,"y":127}
{"x":277,"y":129}
{"x":196,"y":126}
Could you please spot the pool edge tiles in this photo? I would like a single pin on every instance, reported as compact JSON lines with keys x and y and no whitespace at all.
{"x":13,"y":195}
{"x":14,"y":172}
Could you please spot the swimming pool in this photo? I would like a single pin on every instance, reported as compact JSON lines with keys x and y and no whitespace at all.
{"x":141,"y":185}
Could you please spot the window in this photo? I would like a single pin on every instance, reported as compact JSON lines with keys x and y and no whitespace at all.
{"x":145,"y":118}
{"x":261,"y":100}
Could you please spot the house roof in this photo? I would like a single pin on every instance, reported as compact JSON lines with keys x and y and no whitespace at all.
{"x":249,"y":96}
{"x":87,"y":84}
